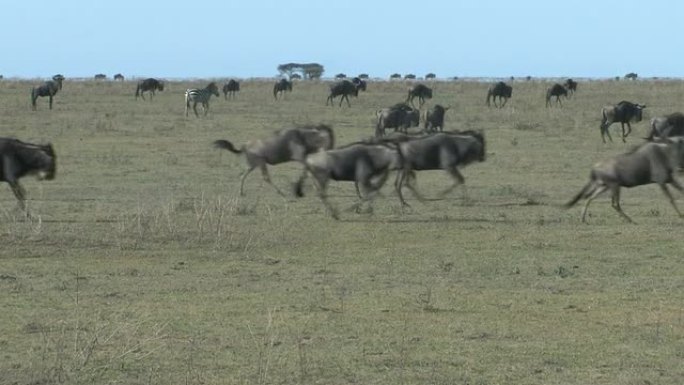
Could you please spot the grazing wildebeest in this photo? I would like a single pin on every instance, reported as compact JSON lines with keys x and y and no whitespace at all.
{"x":283,"y":146}
{"x":434,"y":118}
{"x":119,"y":77}
{"x":668,"y":125}
{"x":359,"y":83}
{"x":281,"y":86}
{"x":149,"y":84}
{"x":556,"y":90}
{"x":623,"y":112}
{"x":400,"y":117}
{"x":650,"y":162}
{"x":18,"y":159}
{"x":571,"y":86}
{"x":49,"y":89}
{"x":360,"y":163}
{"x":441,"y":151}
{"x":421,"y":91}
{"x":231,"y":88}
{"x":100,"y":77}
{"x":202,"y":96}
{"x":499,"y":90}
{"x":344,"y":88}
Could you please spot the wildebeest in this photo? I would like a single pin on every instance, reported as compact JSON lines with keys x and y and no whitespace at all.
{"x":434,"y":118}
{"x":631,"y":76}
{"x":119,"y":77}
{"x":49,"y":89}
{"x":344,"y":88}
{"x":421,"y":91}
{"x":441,"y":151}
{"x":148,"y":85}
{"x":556,"y":90}
{"x":281,"y":86}
{"x":665,"y":126}
{"x":100,"y":77}
{"x":499,"y":90}
{"x":200,"y":95}
{"x":400,"y":116}
{"x":571,"y":86}
{"x":623,"y":112}
{"x":283,"y":146}
{"x":231,"y":88}
{"x":360,"y":163}
{"x":18,"y":159}
{"x":650,"y":162}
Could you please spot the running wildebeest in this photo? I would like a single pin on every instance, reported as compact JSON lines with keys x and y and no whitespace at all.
{"x":231,"y":88}
{"x":441,"y":151}
{"x":623,"y":112}
{"x":49,"y":89}
{"x":400,"y":117}
{"x":281,"y":86}
{"x":650,"y":162}
{"x":434,"y":118}
{"x":200,"y":95}
{"x":668,"y":125}
{"x":421,"y":91}
{"x":344,"y":88}
{"x":357,"y":162}
{"x":556,"y":90}
{"x":18,"y":159}
{"x":283,"y":146}
{"x":100,"y":77}
{"x":119,"y":77}
{"x":499,"y":90}
{"x":148,"y":85}
{"x":571,"y":86}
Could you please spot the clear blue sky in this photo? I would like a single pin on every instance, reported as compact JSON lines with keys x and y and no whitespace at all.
{"x":223,"y":38}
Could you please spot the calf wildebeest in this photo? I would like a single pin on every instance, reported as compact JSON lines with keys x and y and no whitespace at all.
{"x":344,"y":88}
{"x":200,"y":95}
{"x":623,"y":112}
{"x":281,"y":86}
{"x":148,"y":85}
{"x":119,"y":77}
{"x":283,"y":146}
{"x":358,"y":162}
{"x":441,"y":151}
{"x":231,"y":88}
{"x":665,"y":126}
{"x":49,"y":89}
{"x":100,"y":77}
{"x":434,"y":118}
{"x":421,"y":91}
{"x":556,"y":90}
{"x":18,"y":159}
{"x":650,"y":162}
{"x":571,"y":86}
{"x":499,"y":90}
{"x":400,"y":117}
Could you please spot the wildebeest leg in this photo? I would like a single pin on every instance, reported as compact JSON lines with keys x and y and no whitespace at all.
{"x":669,"y":196}
{"x":597,"y":190}
{"x":605,"y":131}
{"x":267,"y":178}
{"x":458,"y":179}
{"x":504,"y":102}
{"x":322,"y":184}
{"x":410,"y":178}
{"x":50,"y":100}
{"x":243,"y":177}
{"x":615,"y":202}
{"x":347,"y":98}
{"x":559,"y":101}
{"x":629,"y":130}
{"x":20,"y":193}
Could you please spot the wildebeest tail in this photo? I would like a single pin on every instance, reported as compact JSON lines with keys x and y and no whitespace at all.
{"x":226,"y":145}
{"x":583,"y":193}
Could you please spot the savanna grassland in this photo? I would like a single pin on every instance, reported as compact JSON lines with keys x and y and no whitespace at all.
{"x":141,"y":263}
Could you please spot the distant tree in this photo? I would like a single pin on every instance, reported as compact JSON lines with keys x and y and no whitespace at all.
{"x":430,"y":76}
{"x":455,"y":78}
{"x":395,"y":76}
{"x":307,"y":70}
{"x":295,"y":76}
{"x":340,"y":76}
{"x":409,"y":76}
{"x":363,"y":76}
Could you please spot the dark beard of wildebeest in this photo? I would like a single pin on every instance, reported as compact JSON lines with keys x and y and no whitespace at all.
{"x":441,"y":151}
{"x":150,"y":85}
{"x":400,"y":117}
{"x":623,"y":112}
{"x":283,"y":146}
{"x":556,"y":90}
{"x":231,"y":88}
{"x":49,"y":89}
{"x":361,"y":163}
{"x":571,"y":86}
{"x":650,"y":162}
{"x":421,"y":91}
{"x":18,"y":159}
{"x":499,"y":90}
{"x":665,"y":126}
{"x":434,"y":118}
{"x":344,"y":88}
{"x":281,"y":87}
{"x":201,"y":96}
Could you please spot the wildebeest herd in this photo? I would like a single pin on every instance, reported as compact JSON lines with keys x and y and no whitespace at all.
{"x":368,"y":163}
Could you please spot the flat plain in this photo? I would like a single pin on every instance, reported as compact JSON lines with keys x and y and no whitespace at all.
{"x":142,"y":264}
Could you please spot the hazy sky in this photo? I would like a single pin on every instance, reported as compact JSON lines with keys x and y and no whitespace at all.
{"x":223,"y":38}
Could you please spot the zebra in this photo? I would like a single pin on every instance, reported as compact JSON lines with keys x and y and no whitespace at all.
{"x":49,"y":88}
{"x":203,"y":95}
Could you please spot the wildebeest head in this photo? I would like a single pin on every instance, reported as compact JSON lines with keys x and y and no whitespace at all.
{"x":160,"y":85}
{"x":50,"y":170}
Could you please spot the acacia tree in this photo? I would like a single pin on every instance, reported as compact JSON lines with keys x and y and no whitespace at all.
{"x":307,"y":70}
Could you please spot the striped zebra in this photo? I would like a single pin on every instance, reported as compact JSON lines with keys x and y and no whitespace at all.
{"x":203,"y":95}
{"x":49,"y":88}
